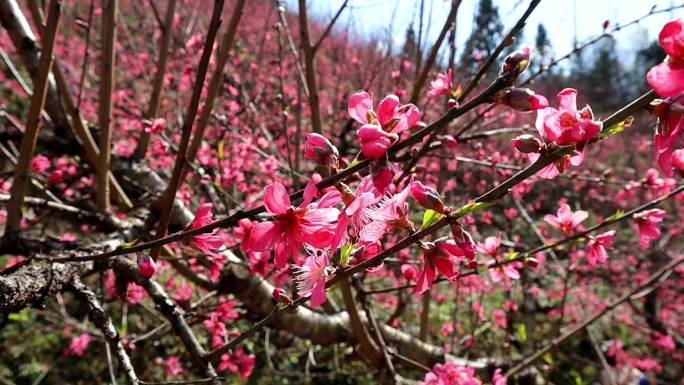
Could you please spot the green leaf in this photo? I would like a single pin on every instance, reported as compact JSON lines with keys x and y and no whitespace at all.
{"x":345,"y":252}
{"x":130,"y":244}
{"x":429,"y":217}
{"x":522,"y":332}
{"x":511,"y":255}
{"x":472,"y":207}
{"x":548,"y":358}
{"x":612,"y":130}
{"x":618,"y":214}
{"x":21,"y":316}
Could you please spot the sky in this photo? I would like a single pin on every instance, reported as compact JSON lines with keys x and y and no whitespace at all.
{"x":562,"y":18}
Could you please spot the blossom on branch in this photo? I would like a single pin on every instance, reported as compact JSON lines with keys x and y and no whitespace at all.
{"x":292,"y":227}
{"x":566,"y":220}
{"x":647,"y":225}
{"x":667,"y":78}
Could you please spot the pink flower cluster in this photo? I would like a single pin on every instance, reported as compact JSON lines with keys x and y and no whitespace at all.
{"x":380,"y":129}
{"x":450,"y":374}
{"x":667,"y":78}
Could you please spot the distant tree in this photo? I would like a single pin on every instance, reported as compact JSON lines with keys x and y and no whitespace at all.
{"x":542,"y":45}
{"x":486,"y":35}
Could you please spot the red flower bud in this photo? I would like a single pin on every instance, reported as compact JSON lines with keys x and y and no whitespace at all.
{"x":524,"y":100}
{"x":526,"y":143}
{"x":464,"y":241}
{"x":516,"y":62}
{"x":320,"y":150}
{"x":452,"y":103}
{"x":426,"y":196}
{"x":147,"y":266}
{"x":281,"y":296}
{"x":678,"y":161}
{"x":56,"y":176}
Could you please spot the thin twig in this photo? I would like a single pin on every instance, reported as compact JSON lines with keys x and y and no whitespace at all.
{"x":28,"y":142}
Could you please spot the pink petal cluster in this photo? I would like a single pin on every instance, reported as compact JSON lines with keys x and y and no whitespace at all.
{"x":443,"y":256}
{"x":449,"y":373}
{"x":238,"y":362}
{"x":391,"y":213}
{"x":596,"y":248}
{"x":566,"y":220}
{"x":670,"y":121}
{"x":292,"y":227}
{"x":156,"y":126}
{"x":79,"y":344}
{"x":667,"y":78}
{"x":40,"y":163}
{"x":567,"y":125}
{"x":310,"y":276}
{"x":441,"y":85}
{"x":490,"y":247}
{"x":207,"y":242}
{"x":647,"y":225}
{"x":380,"y":129}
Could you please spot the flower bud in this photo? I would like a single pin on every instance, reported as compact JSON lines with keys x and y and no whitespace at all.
{"x":464,"y":241}
{"x":381,"y":175}
{"x":516,"y":62}
{"x":281,"y":296}
{"x":426,"y":196}
{"x":320,"y":150}
{"x":408,"y":271}
{"x":526,"y":143}
{"x":147,"y":266}
{"x":56,"y":176}
{"x":678,"y":161}
{"x":452,"y":103}
{"x":524,"y":100}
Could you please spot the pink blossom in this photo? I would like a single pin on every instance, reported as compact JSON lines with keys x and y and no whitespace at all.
{"x":206,"y":242}
{"x":596,"y":247}
{"x":79,"y":344}
{"x":566,"y":125}
{"x":238,"y":362}
{"x":667,"y":78}
{"x":156,"y":126}
{"x":40,"y":163}
{"x":502,"y":272}
{"x":565,"y":220}
{"x":310,"y":276}
{"x":443,"y":256}
{"x":292,"y":227}
{"x":374,"y":140}
{"x":380,"y":129}
{"x":408,"y":271}
{"x":146,"y":266}
{"x":464,"y":241}
{"x":449,"y":373}
{"x":678,"y":160}
{"x":498,"y":378}
{"x":665,"y":342}
{"x":490,"y":245}
{"x":670,"y":120}
{"x":390,"y":116}
{"x":391,"y":213}
{"x":647,"y":225}
{"x":172,"y":366}
{"x":499,"y":317}
{"x":441,"y":85}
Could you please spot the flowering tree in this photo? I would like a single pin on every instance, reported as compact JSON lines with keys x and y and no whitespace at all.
{"x":237,"y":200}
